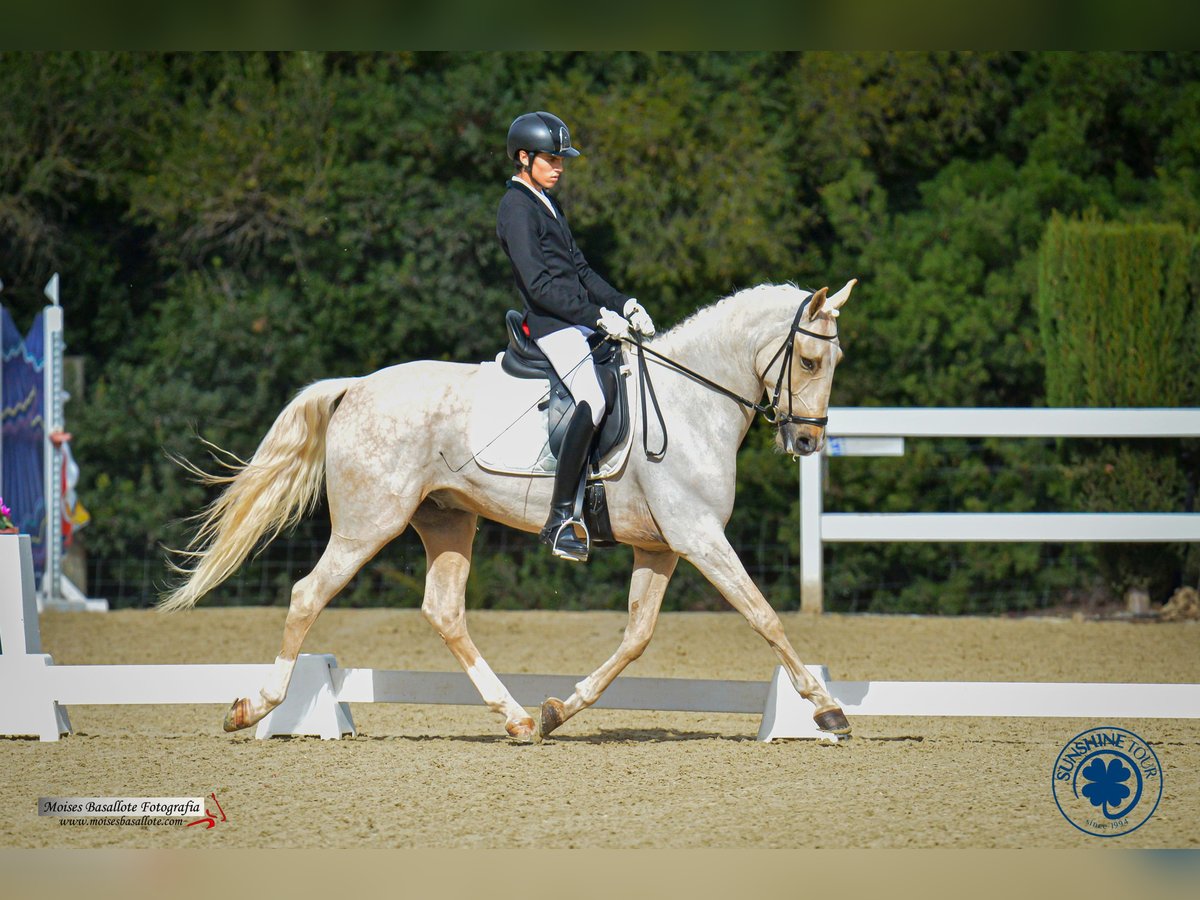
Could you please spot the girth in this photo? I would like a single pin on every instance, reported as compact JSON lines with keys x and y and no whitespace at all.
{"x":523,"y":359}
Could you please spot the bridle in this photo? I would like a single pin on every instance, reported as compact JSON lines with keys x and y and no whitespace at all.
{"x":788,"y":350}
{"x":784,"y":355}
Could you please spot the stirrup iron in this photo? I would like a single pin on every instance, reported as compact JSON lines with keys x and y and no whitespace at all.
{"x":568,"y":544}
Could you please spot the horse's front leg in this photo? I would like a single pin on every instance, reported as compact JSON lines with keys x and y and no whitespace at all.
{"x":710,"y":552}
{"x":651,"y":572}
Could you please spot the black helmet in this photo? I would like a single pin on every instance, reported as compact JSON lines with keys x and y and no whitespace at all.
{"x":539,"y":132}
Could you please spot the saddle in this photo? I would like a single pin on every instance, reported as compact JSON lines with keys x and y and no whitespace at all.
{"x":523,"y":359}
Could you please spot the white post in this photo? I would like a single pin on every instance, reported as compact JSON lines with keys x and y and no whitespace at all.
{"x":811,"y":592}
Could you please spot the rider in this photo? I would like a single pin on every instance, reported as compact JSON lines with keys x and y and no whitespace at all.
{"x":565,"y":301}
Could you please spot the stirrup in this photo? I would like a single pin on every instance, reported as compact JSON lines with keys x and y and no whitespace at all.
{"x":567,"y":544}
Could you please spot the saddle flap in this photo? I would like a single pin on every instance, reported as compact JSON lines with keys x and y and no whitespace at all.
{"x":511,"y":430}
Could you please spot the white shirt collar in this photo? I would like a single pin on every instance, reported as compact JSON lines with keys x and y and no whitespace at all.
{"x":541,"y":195}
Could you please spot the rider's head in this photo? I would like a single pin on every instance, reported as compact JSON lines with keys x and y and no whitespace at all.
{"x":537,"y":144}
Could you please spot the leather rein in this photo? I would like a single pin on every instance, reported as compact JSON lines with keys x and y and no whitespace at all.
{"x":784,"y":355}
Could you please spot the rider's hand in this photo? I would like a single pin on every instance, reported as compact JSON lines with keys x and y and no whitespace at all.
{"x":639,"y":318}
{"x":613,"y":324}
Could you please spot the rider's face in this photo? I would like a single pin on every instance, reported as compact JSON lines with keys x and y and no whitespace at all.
{"x":546,"y":170}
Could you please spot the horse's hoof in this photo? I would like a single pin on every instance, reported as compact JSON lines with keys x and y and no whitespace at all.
{"x":523,"y":732}
{"x":832,"y":720}
{"x":238,"y":716}
{"x":553,"y":715}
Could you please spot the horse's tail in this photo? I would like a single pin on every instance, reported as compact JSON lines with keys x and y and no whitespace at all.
{"x":274,"y":490}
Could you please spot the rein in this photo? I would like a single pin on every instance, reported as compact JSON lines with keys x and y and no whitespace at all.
{"x":786,"y":350}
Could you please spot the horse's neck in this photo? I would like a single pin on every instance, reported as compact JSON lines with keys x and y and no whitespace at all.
{"x":724,"y":341}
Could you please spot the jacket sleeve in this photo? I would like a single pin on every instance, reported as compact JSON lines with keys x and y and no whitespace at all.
{"x":601,"y":292}
{"x":552,"y":293}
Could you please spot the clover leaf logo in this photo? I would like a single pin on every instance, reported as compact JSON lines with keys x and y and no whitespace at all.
{"x":1105,"y":783}
{"x":1100,"y":779}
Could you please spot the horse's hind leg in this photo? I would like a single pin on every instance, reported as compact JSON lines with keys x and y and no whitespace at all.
{"x":651,"y":572}
{"x":343,"y":557}
{"x":448,"y":535}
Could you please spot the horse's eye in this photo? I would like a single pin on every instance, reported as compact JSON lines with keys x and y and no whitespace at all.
{"x":809,"y":364}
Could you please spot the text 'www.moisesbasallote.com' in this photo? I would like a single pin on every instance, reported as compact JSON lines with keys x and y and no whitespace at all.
{"x":139,"y":821}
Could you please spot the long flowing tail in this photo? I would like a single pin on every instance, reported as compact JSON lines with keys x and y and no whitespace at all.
{"x":274,"y":490}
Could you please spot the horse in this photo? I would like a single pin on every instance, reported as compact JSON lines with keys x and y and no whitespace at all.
{"x":382,"y":444}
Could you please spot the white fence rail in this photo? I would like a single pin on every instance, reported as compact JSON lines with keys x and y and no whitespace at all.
{"x":856,"y":423}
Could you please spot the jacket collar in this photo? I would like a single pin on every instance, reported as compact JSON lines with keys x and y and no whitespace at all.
{"x":527,"y":191}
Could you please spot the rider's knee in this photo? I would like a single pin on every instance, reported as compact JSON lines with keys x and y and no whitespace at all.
{"x":589,"y":392}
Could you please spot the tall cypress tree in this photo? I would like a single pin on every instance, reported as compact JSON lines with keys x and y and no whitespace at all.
{"x":1118,"y":316}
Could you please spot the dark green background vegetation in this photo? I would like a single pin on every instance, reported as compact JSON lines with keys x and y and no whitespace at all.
{"x":230,"y":227}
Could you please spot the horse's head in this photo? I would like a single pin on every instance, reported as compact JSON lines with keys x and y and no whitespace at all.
{"x":799,"y":376}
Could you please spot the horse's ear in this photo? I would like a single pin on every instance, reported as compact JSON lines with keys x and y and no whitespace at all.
{"x":837,"y":300}
{"x":816,"y":301}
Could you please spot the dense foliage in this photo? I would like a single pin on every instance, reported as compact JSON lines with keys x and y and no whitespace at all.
{"x":1119,"y":322}
{"x":232,"y":226}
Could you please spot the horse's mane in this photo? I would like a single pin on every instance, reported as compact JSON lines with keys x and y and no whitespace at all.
{"x":722,"y":307}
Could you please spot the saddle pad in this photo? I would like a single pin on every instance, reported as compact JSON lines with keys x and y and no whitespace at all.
{"x":508,"y":433}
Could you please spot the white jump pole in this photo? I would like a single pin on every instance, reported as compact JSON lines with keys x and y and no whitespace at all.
{"x":57,"y":591}
{"x":52,"y":416}
{"x":1,"y":398}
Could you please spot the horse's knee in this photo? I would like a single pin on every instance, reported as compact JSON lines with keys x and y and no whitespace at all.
{"x":766,"y":623}
{"x":635,"y":645}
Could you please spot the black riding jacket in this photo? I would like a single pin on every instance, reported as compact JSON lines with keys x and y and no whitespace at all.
{"x":558,"y":286}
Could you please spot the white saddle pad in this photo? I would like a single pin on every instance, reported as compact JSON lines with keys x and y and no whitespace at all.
{"x":508,"y":433}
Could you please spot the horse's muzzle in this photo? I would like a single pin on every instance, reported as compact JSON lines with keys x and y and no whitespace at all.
{"x":799,"y":440}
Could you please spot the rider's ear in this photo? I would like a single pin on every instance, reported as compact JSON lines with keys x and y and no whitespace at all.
{"x":815,"y":302}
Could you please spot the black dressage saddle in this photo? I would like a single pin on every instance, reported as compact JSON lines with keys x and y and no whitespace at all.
{"x":523,"y":359}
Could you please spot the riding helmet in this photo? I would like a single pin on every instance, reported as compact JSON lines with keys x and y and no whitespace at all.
{"x":539,"y":132}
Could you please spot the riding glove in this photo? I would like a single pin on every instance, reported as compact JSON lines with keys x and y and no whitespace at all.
{"x":638,"y":317}
{"x":613,"y":324}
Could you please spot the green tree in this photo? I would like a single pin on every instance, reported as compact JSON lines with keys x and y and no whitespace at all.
{"x":232,"y":225}
{"x":1118,"y":319}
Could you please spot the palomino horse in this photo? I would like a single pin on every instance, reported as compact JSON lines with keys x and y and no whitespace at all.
{"x":381,"y":443}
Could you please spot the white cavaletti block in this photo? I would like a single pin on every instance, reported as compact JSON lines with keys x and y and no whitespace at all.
{"x":311,"y":707}
{"x":787,"y":714}
{"x":26,"y":705}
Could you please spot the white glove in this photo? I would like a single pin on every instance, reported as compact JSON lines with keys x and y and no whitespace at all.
{"x":638,"y":317}
{"x":613,"y":324}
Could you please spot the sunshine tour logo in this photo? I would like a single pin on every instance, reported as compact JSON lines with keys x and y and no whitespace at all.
{"x":1107,"y":782}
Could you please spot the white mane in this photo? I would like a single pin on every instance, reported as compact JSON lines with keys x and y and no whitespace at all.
{"x":763,"y":298}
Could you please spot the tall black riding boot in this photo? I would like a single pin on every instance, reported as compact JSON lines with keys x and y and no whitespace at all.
{"x":559,"y":530}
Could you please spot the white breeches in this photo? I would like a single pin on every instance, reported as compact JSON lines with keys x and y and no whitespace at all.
{"x":571,"y":357}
